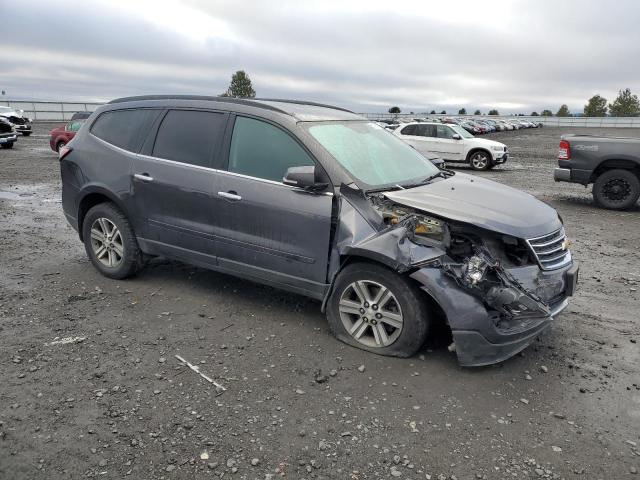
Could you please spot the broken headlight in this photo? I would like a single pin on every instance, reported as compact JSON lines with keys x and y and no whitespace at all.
{"x":429,"y":227}
{"x":475,"y":269}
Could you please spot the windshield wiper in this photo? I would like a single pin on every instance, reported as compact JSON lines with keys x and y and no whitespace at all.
{"x":386,"y":189}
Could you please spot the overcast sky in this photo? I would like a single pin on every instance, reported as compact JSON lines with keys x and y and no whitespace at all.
{"x":516,"y":56}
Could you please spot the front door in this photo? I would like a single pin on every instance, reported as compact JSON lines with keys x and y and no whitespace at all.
{"x":173,"y":185}
{"x":449,"y":148}
{"x":265,"y":229}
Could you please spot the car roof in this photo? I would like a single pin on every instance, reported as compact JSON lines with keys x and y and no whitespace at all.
{"x":300,"y":110}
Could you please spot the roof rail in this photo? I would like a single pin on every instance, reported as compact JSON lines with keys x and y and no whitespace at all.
{"x":240,"y":101}
{"x":254,"y":102}
{"x":304,"y":102}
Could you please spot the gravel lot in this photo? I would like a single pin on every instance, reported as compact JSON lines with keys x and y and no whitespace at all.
{"x":114,"y":401}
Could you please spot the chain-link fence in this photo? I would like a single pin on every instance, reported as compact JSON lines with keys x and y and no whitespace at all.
{"x":60,"y":111}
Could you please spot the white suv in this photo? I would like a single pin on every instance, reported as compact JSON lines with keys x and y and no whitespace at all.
{"x":453,"y":144}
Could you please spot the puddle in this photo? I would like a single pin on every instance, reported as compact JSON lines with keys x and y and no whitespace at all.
{"x":29,"y":194}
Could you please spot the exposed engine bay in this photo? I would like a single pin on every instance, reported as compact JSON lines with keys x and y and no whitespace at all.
{"x":476,"y":259}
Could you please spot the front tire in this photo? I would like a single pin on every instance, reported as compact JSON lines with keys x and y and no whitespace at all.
{"x":110,"y":242}
{"x":7,"y":145}
{"x":59,"y":145}
{"x":616,"y":189}
{"x":26,"y":134}
{"x":375,"y":309}
{"x":479,"y":160}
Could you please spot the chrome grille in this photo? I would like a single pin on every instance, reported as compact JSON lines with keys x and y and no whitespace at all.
{"x":551,"y":250}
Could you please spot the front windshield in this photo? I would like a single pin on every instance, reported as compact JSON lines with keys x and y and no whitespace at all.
{"x":371,"y":154}
{"x":461,"y":131}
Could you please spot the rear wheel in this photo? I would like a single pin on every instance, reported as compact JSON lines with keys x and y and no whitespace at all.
{"x":480,"y":160}
{"x":26,"y":134}
{"x":616,"y":189}
{"x":375,"y":309}
{"x":59,"y":145}
{"x":7,"y":145}
{"x":110,"y":242}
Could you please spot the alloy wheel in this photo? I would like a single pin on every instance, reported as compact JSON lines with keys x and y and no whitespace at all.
{"x":106,"y":242}
{"x":479,"y":161}
{"x":370,"y":313}
{"x":617,"y":190}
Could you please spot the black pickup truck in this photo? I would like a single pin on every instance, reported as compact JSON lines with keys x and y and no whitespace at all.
{"x":612,"y":164}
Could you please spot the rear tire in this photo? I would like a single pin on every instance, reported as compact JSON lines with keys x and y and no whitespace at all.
{"x":7,"y":145}
{"x":59,"y":145}
{"x":110,"y":242}
{"x":616,"y":189}
{"x":479,"y":160}
{"x":392,"y":319}
{"x":26,"y":134}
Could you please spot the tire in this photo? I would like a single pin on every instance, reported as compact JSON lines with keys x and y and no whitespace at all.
{"x":406,"y":303}
{"x":479,"y":160}
{"x":26,"y":134}
{"x":616,"y":189}
{"x":59,"y":145}
{"x":124,"y":259}
{"x":7,"y":145}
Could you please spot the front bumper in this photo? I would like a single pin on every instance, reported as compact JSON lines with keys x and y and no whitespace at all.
{"x":8,"y":139}
{"x":500,"y":157}
{"x":480,"y":336}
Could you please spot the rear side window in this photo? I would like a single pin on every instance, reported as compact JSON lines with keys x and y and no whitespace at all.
{"x":189,"y":136}
{"x":259,"y":149}
{"x":426,"y":130}
{"x":124,"y":128}
{"x":409,"y":130}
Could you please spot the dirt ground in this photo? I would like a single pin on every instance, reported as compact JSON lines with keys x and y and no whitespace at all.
{"x":90,"y":386}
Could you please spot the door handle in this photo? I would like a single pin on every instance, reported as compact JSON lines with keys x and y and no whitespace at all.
{"x":143,"y":177}
{"x":231,"y":195}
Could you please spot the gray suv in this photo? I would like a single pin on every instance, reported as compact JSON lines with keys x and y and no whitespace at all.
{"x":317,"y":200}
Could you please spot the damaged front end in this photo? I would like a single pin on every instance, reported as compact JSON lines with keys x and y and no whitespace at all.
{"x":495,"y":297}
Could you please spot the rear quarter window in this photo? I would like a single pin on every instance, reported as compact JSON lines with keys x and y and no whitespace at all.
{"x":124,"y":128}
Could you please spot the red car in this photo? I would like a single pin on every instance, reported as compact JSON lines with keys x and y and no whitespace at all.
{"x":59,"y":137}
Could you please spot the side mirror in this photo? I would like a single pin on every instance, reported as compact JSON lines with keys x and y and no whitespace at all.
{"x":456,"y":136}
{"x":302,"y":177}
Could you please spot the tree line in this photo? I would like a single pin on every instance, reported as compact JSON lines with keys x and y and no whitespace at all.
{"x":626,"y":104}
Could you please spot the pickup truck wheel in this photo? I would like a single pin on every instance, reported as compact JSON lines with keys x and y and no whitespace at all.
{"x":480,"y":160}
{"x":378,"y":310}
{"x":616,"y":189}
{"x":110,"y":242}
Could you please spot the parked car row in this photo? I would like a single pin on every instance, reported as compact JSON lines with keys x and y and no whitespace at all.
{"x":13,"y":122}
{"x":476,"y":126}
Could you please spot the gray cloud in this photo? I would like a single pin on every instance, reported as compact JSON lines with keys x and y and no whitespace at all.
{"x":515,"y":56}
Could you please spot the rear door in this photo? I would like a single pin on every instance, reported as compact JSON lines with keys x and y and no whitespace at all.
{"x":173,"y":183}
{"x":265,"y":229}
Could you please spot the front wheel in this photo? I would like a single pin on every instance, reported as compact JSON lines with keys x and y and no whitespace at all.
{"x":375,"y":309}
{"x":26,"y":134}
{"x":480,"y":160}
{"x":7,"y":145}
{"x":110,"y":242}
{"x":616,"y":189}
{"x":59,"y":146}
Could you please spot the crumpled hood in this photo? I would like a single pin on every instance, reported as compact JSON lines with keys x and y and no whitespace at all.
{"x":483,"y":203}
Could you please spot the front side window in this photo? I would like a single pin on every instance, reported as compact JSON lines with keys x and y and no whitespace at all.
{"x":444,"y":132}
{"x":259,"y":149}
{"x":461,"y":131}
{"x":189,"y":136}
{"x":124,"y":128}
{"x":373,"y":156}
